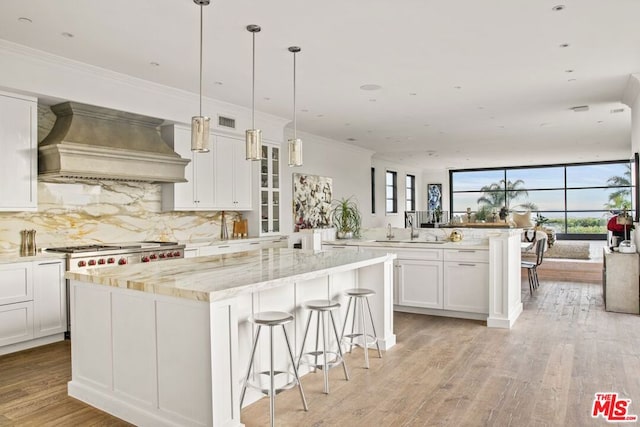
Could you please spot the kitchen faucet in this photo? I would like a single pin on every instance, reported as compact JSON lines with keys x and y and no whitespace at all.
{"x":412,"y":233}
{"x":389,"y":232}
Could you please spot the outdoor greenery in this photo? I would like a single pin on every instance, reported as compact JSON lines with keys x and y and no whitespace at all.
{"x":494,"y":194}
{"x":620,"y":198}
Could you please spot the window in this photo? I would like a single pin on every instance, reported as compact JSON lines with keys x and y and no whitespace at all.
{"x":391,"y":185}
{"x":577,"y":199}
{"x":410,"y":198}
{"x":373,"y":190}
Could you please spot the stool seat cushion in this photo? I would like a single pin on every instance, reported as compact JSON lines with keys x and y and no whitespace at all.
{"x":360,"y":292}
{"x":527,"y":264}
{"x":322,"y":304}
{"x":271,"y":318}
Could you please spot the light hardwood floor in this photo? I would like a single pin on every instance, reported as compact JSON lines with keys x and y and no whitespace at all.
{"x":448,"y":372}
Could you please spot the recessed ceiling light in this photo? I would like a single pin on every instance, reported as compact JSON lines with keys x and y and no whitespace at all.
{"x":558,"y":8}
{"x":25,"y":20}
{"x":347,"y":124}
{"x":372,"y":100}
{"x":266,"y":98}
{"x":572,"y":80}
{"x":369,"y":131}
{"x":600,"y":121}
{"x":67,"y":35}
{"x":387,"y":137}
{"x":580,"y":109}
{"x":480,"y":107}
{"x":412,"y":94}
{"x":370,"y":87}
{"x":457,"y":87}
{"x":351,"y":139}
{"x":563,"y":45}
{"x":218,"y":83}
{"x":427,"y":125}
{"x":304,"y":110}
{"x":154,"y":64}
{"x":544,"y":124}
{"x":320,"y":115}
{"x":569,"y":71}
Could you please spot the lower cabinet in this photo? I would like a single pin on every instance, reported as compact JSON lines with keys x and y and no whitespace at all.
{"x":32,"y":304}
{"x":419,"y":283}
{"x":466,"y":286}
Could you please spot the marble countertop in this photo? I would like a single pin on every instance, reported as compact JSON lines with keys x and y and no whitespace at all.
{"x":482,"y":244}
{"x":11,"y":257}
{"x":213,"y":278}
{"x":209,"y":242}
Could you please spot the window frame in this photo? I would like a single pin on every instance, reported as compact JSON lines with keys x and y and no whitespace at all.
{"x":394,"y":191}
{"x":410,"y":192}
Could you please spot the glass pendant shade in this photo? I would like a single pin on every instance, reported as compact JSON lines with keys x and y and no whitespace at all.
{"x":200,"y":134}
{"x":295,"y":152}
{"x":253,"y":141}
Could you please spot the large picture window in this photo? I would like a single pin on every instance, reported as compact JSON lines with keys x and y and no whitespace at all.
{"x":577,"y":199}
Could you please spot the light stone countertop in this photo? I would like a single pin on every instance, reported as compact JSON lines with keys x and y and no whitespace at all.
{"x":218,"y":277}
{"x":480,"y":244}
{"x":210,"y":242}
{"x":11,"y":257}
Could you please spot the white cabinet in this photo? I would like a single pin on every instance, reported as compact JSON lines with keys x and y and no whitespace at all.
{"x":466,"y":281}
{"x":19,"y":143}
{"x":419,"y":283}
{"x":32,"y":304}
{"x":232,"y":174}
{"x":269,"y":210}
{"x":49,"y":298}
{"x":197,"y":193}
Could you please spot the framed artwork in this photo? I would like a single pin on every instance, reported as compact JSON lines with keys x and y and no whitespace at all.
{"x":311,"y":201}
{"x":434,"y":197}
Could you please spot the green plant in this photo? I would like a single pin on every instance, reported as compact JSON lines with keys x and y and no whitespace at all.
{"x":541,"y":220}
{"x":345,"y":216}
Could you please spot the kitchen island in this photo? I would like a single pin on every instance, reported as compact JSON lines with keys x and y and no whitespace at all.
{"x":165,"y":344}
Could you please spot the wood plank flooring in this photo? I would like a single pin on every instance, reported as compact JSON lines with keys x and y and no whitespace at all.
{"x":444,"y":372}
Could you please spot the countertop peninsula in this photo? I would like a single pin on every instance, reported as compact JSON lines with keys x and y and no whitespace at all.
{"x":217,"y":277}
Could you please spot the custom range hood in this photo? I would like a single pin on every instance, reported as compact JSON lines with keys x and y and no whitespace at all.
{"x":96,"y":143}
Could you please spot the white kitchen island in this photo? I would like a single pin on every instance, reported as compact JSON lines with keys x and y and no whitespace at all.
{"x":165,"y":344}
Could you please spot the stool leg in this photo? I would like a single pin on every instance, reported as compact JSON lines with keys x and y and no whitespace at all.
{"x":335,"y":331}
{"x":344,"y":324}
{"x":272,"y":386}
{"x":530,"y":281}
{"x":253,"y":353}
{"x":353,"y":324}
{"x":317,"y":340}
{"x":364,"y":334}
{"x":374,"y":328}
{"x":295,"y":370}
{"x":325,"y":346}
{"x":304,"y":340}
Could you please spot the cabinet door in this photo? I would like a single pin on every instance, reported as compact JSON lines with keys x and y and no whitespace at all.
{"x":18,"y":138}
{"x":204,"y":179}
{"x":16,"y":322}
{"x":466,"y":287}
{"x":49,"y":298}
{"x":223,"y":180}
{"x":16,"y":284}
{"x":419,"y":283}
{"x":241,"y":178}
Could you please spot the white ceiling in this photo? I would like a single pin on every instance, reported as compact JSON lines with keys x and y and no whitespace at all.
{"x":489,"y":78}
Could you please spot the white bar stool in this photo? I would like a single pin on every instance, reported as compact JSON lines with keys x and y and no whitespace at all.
{"x":329,"y":358}
{"x":360,"y":295}
{"x":272,"y":319}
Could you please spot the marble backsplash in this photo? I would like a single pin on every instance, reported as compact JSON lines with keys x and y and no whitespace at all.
{"x":106,"y":212}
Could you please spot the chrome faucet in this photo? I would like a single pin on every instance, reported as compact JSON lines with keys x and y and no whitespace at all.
{"x":389,"y":232}
{"x":412,"y":233}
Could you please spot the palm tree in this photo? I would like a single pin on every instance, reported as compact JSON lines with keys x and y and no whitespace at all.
{"x":499,"y":194}
{"x":620,"y":198}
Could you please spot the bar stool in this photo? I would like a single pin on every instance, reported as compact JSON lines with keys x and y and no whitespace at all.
{"x":360,"y":295}
{"x":329,"y":358}
{"x":272,"y":319}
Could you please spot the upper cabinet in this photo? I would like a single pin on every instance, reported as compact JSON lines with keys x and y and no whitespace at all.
{"x":270,"y":190}
{"x":18,"y":162}
{"x":232,"y":174}
{"x":217,"y":180}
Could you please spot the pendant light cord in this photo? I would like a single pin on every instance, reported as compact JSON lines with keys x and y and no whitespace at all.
{"x":253,"y":84}
{"x":294,"y":97}
{"x":201,"y":6}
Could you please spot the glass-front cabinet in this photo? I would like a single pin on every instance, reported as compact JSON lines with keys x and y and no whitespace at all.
{"x":270,"y":190}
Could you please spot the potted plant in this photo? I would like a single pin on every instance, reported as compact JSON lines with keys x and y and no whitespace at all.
{"x":540,"y":221}
{"x":346,"y":217}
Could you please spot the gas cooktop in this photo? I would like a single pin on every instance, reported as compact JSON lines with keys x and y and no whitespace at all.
{"x":109,"y":247}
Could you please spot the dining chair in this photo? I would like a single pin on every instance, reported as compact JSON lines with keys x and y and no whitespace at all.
{"x":532,"y":267}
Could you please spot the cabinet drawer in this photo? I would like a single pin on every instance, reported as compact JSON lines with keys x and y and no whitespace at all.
{"x":468,"y":255}
{"x":421,"y":254}
{"x":16,"y":322}
{"x":15,"y":283}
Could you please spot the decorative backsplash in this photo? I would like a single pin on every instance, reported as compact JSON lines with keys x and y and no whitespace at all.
{"x":105,"y":212}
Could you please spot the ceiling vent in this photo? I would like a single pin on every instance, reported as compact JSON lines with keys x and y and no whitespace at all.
{"x":580,"y":109}
{"x":226,"y":122}
{"x":617,"y":110}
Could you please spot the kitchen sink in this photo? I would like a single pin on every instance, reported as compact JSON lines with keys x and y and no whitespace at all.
{"x":407,"y":241}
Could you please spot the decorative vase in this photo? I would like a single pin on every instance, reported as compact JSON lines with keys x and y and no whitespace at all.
{"x":344,"y":234}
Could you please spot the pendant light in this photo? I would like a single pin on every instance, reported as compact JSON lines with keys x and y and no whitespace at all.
{"x":200,"y":123}
{"x":295,"y":144}
{"x":253,"y":136}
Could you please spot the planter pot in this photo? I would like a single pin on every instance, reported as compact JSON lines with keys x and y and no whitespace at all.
{"x":344,"y":234}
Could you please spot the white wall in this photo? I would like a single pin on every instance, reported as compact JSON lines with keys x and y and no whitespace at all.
{"x":381,"y":218}
{"x":347,"y":165}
